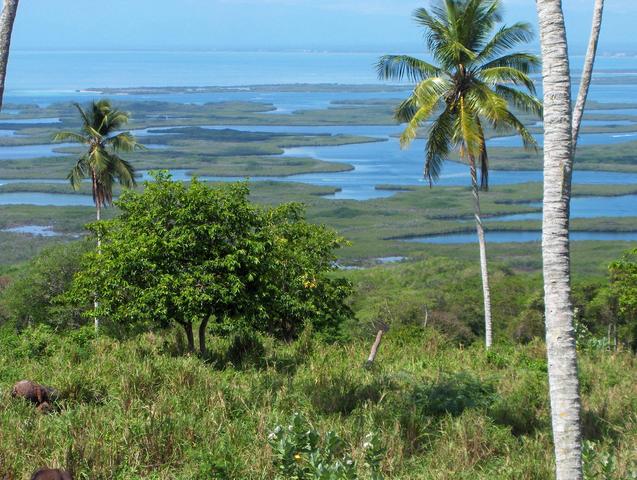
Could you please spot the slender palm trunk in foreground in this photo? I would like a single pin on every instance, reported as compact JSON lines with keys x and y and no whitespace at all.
{"x":558,"y":163}
{"x":9,"y":11}
{"x":587,"y":72}
{"x":484,"y":268}
{"x":96,"y":304}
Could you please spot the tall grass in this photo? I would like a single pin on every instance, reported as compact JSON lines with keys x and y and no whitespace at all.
{"x":140,"y":409}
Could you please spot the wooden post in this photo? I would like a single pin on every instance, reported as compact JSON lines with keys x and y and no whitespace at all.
{"x":379,"y":337}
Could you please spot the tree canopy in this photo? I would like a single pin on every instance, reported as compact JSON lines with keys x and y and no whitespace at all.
{"x":195,"y":254}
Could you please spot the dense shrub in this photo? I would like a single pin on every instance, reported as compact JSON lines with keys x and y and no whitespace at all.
{"x":452,"y":394}
{"x":300,"y":452}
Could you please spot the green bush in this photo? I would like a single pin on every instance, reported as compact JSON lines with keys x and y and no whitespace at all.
{"x":452,"y":394}
{"x":301,"y":453}
{"x":31,"y":298}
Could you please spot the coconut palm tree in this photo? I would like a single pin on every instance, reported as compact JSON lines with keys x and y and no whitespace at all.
{"x":474,"y":82}
{"x":9,"y":10}
{"x":560,"y":140}
{"x":101,"y":162}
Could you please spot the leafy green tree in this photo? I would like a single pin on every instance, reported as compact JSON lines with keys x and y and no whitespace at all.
{"x":623,"y":288}
{"x":101,"y":163}
{"x":31,"y":298}
{"x":474,"y":83}
{"x":192,"y":254}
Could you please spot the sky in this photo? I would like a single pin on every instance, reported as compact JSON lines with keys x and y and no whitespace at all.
{"x":357,"y":25}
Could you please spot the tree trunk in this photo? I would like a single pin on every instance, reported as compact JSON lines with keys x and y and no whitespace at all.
{"x":9,"y":11}
{"x":484,"y":267}
{"x":190,"y":336}
{"x":587,"y":72}
{"x":558,"y":164}
{"x":96,"y":304}
{"x":98,"y":216}
{"x":202,"y":336}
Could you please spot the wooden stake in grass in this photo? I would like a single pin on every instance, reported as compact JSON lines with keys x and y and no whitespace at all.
{"x":382,"y":329}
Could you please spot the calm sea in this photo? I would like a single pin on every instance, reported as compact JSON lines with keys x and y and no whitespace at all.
{"x":64,"y":72}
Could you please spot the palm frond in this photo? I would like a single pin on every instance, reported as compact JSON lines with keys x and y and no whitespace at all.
{"x":71,"y":137}
{"x":439,"y":145}
{"x":427,"y":96}
{"x":440,"y":37}
{"x":498,"y":75}
{"x":406,"y":110}
{"x":487,"y":104}
{"x":99,"y":160}
{"x":505,"y":39}
{"x":399,"y":67}
{"x":524,"y":62}
{"x":124,"y":142}
{"x":78,"y":173}
{"x":520,"y":100}
{"x":528,"y":140}
{"x":483,"y":161}
{"x":122,"y":171}
{"x":467,"y":130}
{"x":85,"y":118}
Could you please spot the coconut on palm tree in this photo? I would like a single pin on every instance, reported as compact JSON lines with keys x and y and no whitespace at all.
{"x":101,"y":163}
{"x":475,"y":83}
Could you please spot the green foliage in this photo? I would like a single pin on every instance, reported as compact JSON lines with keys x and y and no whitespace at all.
{"x":600,"y":464}
{"x":101,"y":163}
{"x":475,"y":81}
{"x":452,"y":395}
{"x":31,"y":297}
{"x":301,"y":453}
{"x":446,"y":294}
{"x":623,"y":288}
{"x":132,"y":409}
{"x":194,"y":253}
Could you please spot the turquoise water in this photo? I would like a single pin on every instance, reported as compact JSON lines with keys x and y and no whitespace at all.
{"x":520,"y":237}
{"x":48,"y":77}
{"x":584,"y":207}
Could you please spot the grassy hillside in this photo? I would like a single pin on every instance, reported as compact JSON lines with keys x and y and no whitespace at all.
{"x":439,"y":405}
{"x":138,"y":409}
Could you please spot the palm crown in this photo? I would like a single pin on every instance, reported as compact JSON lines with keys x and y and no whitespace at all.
{"x":476,"y":80}
{"x":101,"y":163}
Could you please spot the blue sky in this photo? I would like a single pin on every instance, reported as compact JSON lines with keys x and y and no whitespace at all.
{"x":377,"y":25}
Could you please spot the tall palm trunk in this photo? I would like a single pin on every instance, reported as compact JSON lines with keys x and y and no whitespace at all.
{"x":98,"y":216}
{"x":587,"y":72}
{"x":558,"y":163}
{"x":7,"y":18}
{"x":484,"y":268}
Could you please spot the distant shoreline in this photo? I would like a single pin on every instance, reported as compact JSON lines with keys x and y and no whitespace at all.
{"x":264,"y":88}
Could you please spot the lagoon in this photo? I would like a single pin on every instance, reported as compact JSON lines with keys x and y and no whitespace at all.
{"x":520,"y":237}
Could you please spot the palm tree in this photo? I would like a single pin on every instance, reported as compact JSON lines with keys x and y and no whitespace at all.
{"x":560,"y":140}
{"x":9,"y":10}
{"x":474,"y":82}
{"x":101,"y":162}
